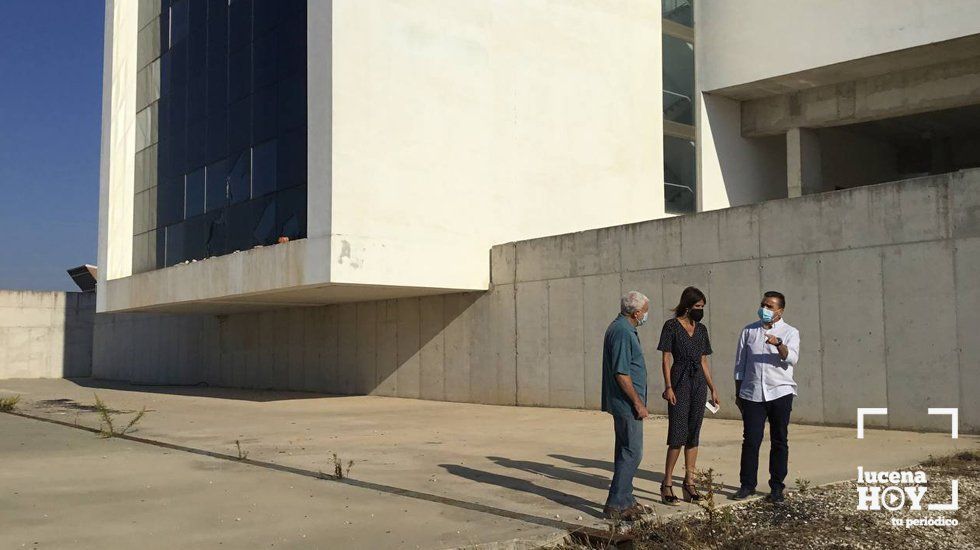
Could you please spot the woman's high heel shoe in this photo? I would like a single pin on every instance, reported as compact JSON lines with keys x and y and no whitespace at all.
{"x":668,"y":499}
{"x":692,"y":492}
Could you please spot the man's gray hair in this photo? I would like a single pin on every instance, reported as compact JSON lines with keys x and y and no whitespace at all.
{"x":631,"y":302}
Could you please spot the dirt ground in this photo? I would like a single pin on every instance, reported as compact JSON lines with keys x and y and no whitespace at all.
{"x":824,"y":517}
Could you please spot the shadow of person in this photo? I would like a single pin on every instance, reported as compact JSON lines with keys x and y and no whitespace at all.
{"x":558,"y":473}
{"x":523,"y":485}
{"x":656,"y":477}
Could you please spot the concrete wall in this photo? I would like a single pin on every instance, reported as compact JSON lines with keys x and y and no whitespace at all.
{"x":880,"y":280}
{"x":46,"y":334}
{"x":752,"y":40}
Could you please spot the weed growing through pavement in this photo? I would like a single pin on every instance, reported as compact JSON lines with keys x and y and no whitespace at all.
{"x":8,"y":404}
{"x":242,"y":455}
{"x":338,"y":467}
{"x":107,"y":428}
{"x":802,"y":485}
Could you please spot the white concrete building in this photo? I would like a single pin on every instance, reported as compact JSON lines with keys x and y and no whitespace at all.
{"x":394,"y":143}
{"x":444,"y":199}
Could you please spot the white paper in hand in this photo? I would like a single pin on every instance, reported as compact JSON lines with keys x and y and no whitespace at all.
{"x":712,"y":407}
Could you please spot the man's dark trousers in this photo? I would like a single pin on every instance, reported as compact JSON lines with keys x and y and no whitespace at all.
{"x":754,"y":416}
{"x":629,"y":453}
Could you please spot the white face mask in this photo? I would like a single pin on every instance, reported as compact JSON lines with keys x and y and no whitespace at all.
{"x":643,"y":321}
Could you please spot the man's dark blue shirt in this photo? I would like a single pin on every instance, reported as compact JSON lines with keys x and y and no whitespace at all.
{"x":622,"y":354}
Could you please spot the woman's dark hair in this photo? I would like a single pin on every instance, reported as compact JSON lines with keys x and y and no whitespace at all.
{"x":689,"y":297}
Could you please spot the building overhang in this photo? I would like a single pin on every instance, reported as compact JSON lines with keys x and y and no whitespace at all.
{"x":290,"y":274}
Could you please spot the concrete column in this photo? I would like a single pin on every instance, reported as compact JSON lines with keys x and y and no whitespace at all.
{"x":803,"y":175}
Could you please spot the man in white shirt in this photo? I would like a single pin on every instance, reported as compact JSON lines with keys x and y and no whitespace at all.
{"x":765,"y":356}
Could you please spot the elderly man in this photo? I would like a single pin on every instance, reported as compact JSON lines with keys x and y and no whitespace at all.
{"x":767,"y":351}
{"x":624,"y":396}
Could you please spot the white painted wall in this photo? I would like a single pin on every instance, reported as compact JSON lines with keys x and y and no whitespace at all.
{"x":733,"y":170}
{"x":458,"y":125}
{"x":750,"y":40}
{"x":117,"y":156}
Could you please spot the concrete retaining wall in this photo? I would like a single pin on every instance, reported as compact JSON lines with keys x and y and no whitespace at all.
{"x":46,"y":334}
{"x":880,"y":280}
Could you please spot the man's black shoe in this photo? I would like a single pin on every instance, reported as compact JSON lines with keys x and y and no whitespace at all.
{"x":776,"y":496}
{"x":743,"y":493}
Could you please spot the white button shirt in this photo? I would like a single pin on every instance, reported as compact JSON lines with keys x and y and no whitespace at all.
{"x":764,"y":375}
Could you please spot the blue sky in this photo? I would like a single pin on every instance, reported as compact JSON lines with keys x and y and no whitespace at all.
{"x":50,"y":118}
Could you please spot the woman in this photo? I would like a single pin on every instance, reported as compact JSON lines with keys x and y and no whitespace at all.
{"x":686,"y":347}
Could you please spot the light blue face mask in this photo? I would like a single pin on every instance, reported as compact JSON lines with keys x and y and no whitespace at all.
{"x":766,"y":315}
{"x":643,"y":321}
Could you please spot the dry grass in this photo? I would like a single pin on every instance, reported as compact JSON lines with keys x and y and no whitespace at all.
{"x":823,"y":517}
{"x":8,"y":404}
{"x":107,"y":426}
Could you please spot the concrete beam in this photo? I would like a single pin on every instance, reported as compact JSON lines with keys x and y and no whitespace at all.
{"x":803,"y":173}
{"x":919,"y":90}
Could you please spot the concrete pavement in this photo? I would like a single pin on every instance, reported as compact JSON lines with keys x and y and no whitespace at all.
{"x":434,"y":474}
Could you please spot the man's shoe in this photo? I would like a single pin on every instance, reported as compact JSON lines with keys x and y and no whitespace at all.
{"x":776,"y":496}
{"x":743,"y":493}
{"x":632,"y":513}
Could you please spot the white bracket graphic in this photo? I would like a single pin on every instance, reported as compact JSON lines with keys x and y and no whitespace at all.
{"x":864,"y":411}
{"x":954,"y":431}
{"x":954,"y":491}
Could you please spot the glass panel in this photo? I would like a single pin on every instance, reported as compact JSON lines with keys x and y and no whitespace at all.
{"x":239,"y":236}
{"x":217,"y":136}
{"x":196,"y":238}
{"x":231,"y":78}
{"x":239,"y":74}
{"x":194,"y":194}
{"x":196,"y":99}
{"x":217,"y":88}
{"x":175,"y":244}
{"x":165,"y":29}
{"x":178,"y":21}
{"x":678,"y":11}
{"x":264,"y":117}
{"x":217,"y":240}
{"x":264,"y":169}
{"x":291,"y":212}
{"x":198,"y":14}
{"x":217,"y":41}
{"x":292,"y":102}
{"x":292,"y":46}
{"x":266,"y":14}
{"x":161,"y":251}
{"x":170,"y":201}
{"x":216,"y":194}
{"x":239,"y":24}
{"x":264,"y":221}
{"x":218,"y":9}
{"x":164,"y":168}
{"x":680,"y":174}
{"x":291,"y":160}
{"x":196,"y":145}
{"x":240,"y":125}
{"x":678,"y":73}
{"x":240,"y":177}
{"x":197,"y":49}
{"x":264,"y":53}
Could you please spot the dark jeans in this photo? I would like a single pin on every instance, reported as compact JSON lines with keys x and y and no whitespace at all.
{"x":628,"y":453}
{"x":754,"y":416}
